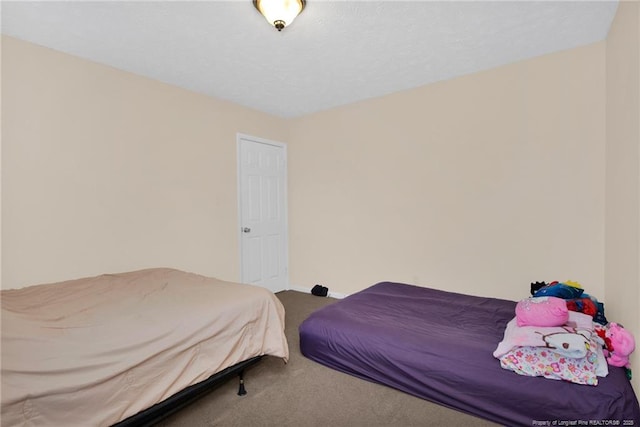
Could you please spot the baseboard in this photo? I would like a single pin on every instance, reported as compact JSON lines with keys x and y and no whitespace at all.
{"x":304,"y":290}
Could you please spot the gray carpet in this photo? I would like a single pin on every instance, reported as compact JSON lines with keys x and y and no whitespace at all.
{"x":305,"y":393}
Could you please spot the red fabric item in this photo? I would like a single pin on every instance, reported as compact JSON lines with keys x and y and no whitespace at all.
{"x":583,"y":305}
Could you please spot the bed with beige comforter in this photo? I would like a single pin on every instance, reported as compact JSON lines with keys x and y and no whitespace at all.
{"x":94,"y":351}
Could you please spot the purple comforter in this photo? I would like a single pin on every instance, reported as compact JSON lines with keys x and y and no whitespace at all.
{"x":438,"y":345}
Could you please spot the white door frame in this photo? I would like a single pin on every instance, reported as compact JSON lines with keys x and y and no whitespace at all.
{"x":245,"y":137}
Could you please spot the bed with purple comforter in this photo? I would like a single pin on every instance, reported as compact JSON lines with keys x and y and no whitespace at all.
{"x":438,"y":345}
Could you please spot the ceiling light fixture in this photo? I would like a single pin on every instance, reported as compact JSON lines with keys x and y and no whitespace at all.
{"x":279,"y":13}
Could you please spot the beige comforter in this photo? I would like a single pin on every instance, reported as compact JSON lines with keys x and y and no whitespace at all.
{"x":94,"y":351}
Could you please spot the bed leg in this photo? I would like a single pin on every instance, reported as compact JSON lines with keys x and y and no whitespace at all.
{"x":241,"y":389}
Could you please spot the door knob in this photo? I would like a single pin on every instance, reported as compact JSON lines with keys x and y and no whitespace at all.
{"x":246,"y":230}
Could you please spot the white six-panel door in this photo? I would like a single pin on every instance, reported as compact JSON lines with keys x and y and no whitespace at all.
{"x":262,"y":180}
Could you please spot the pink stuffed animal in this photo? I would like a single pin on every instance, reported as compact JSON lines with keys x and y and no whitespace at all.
{"x":621,"y":345}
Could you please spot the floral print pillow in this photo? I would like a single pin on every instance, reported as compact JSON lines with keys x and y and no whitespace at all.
{"x":542,"y":362}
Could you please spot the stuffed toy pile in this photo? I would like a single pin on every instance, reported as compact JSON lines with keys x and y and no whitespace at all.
{"x":550,"y":303}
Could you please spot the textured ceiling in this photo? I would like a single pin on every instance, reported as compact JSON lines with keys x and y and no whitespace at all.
{"x":335,"y":53}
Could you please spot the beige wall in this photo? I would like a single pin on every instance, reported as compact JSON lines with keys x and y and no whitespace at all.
{"x":622,"y":249}
{"x":480,"y":184}
{"x":106,"y":171}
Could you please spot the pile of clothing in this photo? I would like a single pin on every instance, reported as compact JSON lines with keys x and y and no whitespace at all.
{"x":575,"y":297}
{"x":561,"y":333}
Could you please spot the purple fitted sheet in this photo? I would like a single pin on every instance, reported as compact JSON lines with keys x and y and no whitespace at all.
{"x":438,"y":345}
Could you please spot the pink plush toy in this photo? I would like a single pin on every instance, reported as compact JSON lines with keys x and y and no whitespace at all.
{"x":621,"y":344}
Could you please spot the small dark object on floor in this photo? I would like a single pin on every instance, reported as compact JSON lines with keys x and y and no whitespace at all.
{"x":320,"y":291}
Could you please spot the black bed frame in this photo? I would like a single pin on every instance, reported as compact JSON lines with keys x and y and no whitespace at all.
{"x":161,"y":410}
